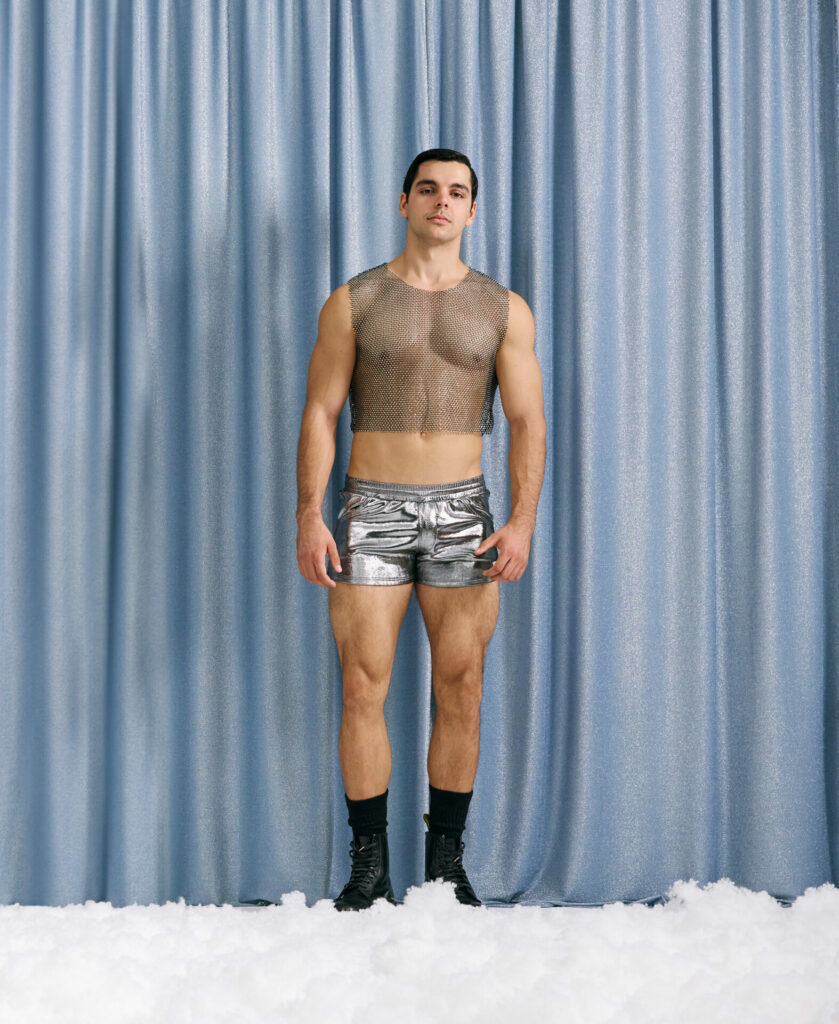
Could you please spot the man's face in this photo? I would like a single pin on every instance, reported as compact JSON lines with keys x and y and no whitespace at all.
{"x":441,"y":189}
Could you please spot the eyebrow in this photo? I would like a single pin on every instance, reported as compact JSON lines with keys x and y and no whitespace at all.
{"x":431,"y":181}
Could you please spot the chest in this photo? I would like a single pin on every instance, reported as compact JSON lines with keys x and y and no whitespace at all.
{"x":427,"y":338}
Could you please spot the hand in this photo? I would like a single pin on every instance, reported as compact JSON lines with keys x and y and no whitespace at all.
{"x":513,"y":543}
{"x":314,"y":542}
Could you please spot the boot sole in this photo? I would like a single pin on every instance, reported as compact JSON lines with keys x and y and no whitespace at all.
{"x":387,"y":895}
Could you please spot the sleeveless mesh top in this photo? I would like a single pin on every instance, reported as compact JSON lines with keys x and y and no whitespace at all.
{"x":425,"y":360}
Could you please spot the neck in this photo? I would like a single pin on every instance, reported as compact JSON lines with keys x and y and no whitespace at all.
{"x":429,"y":267}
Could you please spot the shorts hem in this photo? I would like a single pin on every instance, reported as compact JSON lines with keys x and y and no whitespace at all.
{"x":456,"y":583}
{"x":370,"y":581}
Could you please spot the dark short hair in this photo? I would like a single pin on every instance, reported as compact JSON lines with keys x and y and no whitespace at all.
{"x":438,"y":154}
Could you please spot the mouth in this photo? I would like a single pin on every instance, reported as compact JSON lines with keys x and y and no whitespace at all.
{"x":440,"y":220}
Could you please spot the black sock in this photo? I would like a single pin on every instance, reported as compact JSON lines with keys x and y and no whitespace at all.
{"x":368,"y":816}
{"x":447,"y":811}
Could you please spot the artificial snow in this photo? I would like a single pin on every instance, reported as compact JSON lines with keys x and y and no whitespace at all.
{"x":709,"y":955}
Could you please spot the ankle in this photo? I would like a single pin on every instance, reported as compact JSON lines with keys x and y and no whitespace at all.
{"x":447,"y":811}
{"x":369,"y":816}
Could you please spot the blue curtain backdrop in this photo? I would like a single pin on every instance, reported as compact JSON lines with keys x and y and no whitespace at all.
{"x":181,"y":187}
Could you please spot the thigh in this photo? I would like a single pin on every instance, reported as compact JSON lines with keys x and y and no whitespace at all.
{"x":460,"y":622}
{"x":366,"y":622}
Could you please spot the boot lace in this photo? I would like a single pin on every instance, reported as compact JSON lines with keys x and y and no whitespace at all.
{"x":453,"y":869}
{"x":363,"y":863}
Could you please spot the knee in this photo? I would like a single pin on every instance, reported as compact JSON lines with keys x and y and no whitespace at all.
{"x":364,"y":690}
{"x":459,"y":693}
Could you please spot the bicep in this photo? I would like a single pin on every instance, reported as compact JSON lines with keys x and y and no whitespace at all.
{"x":516,"y":366}
{"x":333,"y":356}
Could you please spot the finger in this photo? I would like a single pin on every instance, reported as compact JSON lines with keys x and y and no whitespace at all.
{"x":487,"y":543}
{"x":497,"y":567}
{"x":507,"y":576}
{"x":322,"y":577}
{"x":317,"y":573}
{"x":332,"y":548}
{"x":307,"y":569}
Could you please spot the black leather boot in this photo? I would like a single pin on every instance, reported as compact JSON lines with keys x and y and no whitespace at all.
{"x":444,"y":859}
{"x":370,"y":875}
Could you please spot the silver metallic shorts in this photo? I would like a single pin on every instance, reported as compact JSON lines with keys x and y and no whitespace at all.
{"x":400,"y":533}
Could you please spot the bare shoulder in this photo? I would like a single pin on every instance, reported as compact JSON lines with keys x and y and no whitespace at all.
{"x":335,"y":317}
{"x":521,"y":327}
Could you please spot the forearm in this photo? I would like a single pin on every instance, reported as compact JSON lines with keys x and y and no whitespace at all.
{"x":315,"y":456}
{"x":527,"y":467}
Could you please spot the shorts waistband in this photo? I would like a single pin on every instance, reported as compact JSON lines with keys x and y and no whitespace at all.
{"x":417,"y":492}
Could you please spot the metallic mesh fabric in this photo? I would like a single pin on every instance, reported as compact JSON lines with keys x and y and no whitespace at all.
{"x":425,"y":360}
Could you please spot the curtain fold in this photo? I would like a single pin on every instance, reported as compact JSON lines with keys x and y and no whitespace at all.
{"x":181,"y":188}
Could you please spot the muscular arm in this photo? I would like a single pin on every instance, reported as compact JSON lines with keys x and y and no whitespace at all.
{"x":520,"y":386}
{"x":330,"y":371}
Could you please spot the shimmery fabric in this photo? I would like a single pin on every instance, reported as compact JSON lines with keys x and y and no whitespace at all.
{"x":396,"y":533}
{"x":425,"y":360}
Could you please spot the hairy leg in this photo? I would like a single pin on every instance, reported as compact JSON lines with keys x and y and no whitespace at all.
{"x":366,"y":620}
{"x":460,"y":622}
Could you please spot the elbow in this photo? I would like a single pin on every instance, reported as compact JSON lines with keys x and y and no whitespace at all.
{"x":529,"y":423}
{"x":323,"y":415}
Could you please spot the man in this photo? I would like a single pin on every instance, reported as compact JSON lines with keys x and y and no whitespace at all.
{"x":419,"y":346}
